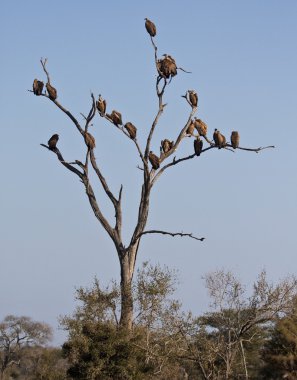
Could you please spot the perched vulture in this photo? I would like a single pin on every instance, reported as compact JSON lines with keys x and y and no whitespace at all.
{"x":116,"y":117}
{"x":219,"y":139}
{"x":201,"y":127}
{"x":167,"y":66}
{"x":131,"y":129}
{"x":190,"y":129}
{"x":235,"y":139}
{"x":37,"y":87}
{"x":90,"y":140}
{"x":101,"y":105}
{"x":166,"y":145}
{"x":52,"y":142}
{"x":198,"y":144}
{"x":150,"y":27}
{"x":154,"y":160}
{"x":52,"y":92}
{"x":193,"y":98}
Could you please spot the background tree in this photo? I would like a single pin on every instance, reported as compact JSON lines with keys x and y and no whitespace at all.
{"x":225,"y":342}
{"x":17,"y":334}
{"x":280,"y":351}
{"x":166,"y":68}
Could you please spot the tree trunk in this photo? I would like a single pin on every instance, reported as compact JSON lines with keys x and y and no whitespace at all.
{"x":127,"y":262}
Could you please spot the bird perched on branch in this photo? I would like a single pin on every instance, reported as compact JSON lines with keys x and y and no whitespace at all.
{"x":37,"y":87}
{"x":154,"y":160}
{"x":150,"y":27}
{"x":52,"y":92}
{"x":166,"y":145}
{"x":101,"y":105}
{"x":198,"y":145}
{"x":89,"y":140}
{"x":235,"y":139}
{"x":190,"y":129}
{"x":219,"y":139}
{"x":131,"y":130}
{"x":201,"y":127}
{"x":167,"y":66}
{"x":116,"y":117}
{"x":193,"y":97}
{"x":52,"y":142}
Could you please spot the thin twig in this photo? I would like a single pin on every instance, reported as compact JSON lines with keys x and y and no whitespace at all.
{"x":170,"y":233}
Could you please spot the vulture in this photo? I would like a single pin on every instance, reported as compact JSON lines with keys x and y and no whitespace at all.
{"x":37,"y":87}
{"x":166,"y":145}
{"x":167,"y":66}
{"x":235,"y":139}
{"x":150,"y":27}
{"x":90,"y":140}
{"x":201,"y":127}
{"x":101,"y":105}
{"x":52,"y":92}
{"x":193,"y":98}
{"x":198,"y":144}
{"x":154,"y":160}
{"x":190,"y":129}
{"x":116,"y":117}
{"x":219,"y":139}
{"x":52,"y":142}
{"x":131,"y":130}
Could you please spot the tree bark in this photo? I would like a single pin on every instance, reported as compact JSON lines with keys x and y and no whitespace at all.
{"x":127,"y":262}
{"x":126,"y":294}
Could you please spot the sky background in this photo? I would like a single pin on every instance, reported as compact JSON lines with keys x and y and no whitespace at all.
{"x":243,"y":60}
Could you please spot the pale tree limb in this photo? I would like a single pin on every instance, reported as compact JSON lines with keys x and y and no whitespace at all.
{"x":190,"y":235}
{"x":68,"y":113}
{"x":90,"y":193}
{"x":65,"y":163}
{"x":121,"y":128}
{"x":43,"y":64}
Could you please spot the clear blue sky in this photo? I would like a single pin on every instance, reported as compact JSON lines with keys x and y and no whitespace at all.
{"x":243,"y":60}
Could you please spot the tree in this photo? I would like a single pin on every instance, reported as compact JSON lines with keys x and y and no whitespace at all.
{"x":226,"y":338}
{"x":18,"y":333}
{"x":166,"y":70}
{"x":280,"y":351}
{"x":96,"y":348}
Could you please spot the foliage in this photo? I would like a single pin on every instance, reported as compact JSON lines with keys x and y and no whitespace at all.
{"x":225,"y":342}
{"x":98,"y":347}
{"x":280,"y":351}
{"x":17,"y":334}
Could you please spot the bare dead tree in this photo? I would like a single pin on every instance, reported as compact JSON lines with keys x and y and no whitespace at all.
{"x":166,"y":70}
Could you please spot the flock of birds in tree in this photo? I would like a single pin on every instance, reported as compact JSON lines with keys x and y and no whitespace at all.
{"x":167,"y":69}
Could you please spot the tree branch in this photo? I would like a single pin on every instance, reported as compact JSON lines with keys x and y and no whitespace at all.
{"x":68,"y":113}
{"x":64,"y":163}
{"x":171,"y":234}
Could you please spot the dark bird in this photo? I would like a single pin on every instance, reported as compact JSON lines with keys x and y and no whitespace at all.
{"x":201,"y":127}
{"x":89,"y":140}
{"x":52,"y":142}
{"x":150,"y":27}
{"x":116,"y":117}
{"x":37,"y":87}
{"x":190,"y":129}
{"x":198,"y":145}
{"x":235,"y":139}
{"x":154,"y":160}
{"x":167,"y":66}
{"x":193,"y":98}
{"x":166,"y":145}
{"x":219,"y":139}
{"x":101,"y":105}
{"x":52,"y":92}
{"x":131,"y":130}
